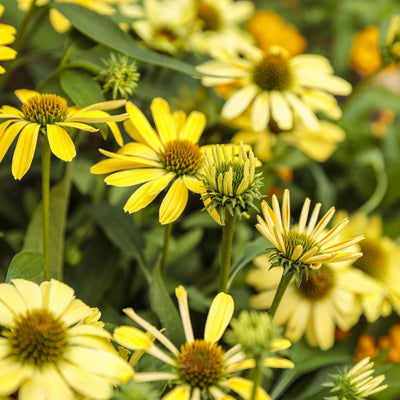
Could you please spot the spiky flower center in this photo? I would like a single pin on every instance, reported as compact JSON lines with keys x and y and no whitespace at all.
{"x":182,"y":157}
{"x":201,"y":363}
{"x":38,"y":338}
{"x":374,"y":261}
{"x":293,"y":239}
{"x":209,"y":16}
{"x":237,"y":173}
{"x":45,"y":109}
{"x":273,"y":72}
{"x":317,"y":285}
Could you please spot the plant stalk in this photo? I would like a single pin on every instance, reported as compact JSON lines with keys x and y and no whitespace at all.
{"x":283,"y":284}
{"x":167,"y":237}
{"x":226,"y":250}
{"x":257,"y":378}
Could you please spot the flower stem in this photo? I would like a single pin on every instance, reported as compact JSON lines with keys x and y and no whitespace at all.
{"x":284,"y":282}
{"x":46,"y":154}
{"x":257,"y":378}
{"x":226,"y":250}
{"x":167,"y":236}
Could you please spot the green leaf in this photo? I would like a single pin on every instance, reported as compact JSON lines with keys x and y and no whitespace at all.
{"x":103,"y":30}
{"x":165,"y":309}
{"x":80,"y":87}
{"x":25,"y":265}
{"x":308,"y":359}
{"x":251,"y":250}
{"x":121,"y":231}
{"x":59,"y":200}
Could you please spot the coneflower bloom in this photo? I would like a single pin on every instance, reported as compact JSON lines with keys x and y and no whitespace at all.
{"x":49,"y":115}
{"x":200,"y":365}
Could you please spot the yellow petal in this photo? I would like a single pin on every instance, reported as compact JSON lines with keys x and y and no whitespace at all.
{"x":8,"y":134}
{"x":110,"y":165}
{"x":24,"y":94}
{"x":11,"y":376}
{"x":218,"y":317}
{"x":58,"y":21}
{"x":244,"y":387}
{"x":278,"y":363}
{"x":193,"y":127}
{"x":163,"y":120}
{"x":116,"y":132}
{"x":160,"y":184}
{"x":132,"y":338}
{"x":179,"y":393}
{"x":57,"y":296}
{"x":24,"y":151}
{"x":139,"y":199}
{"x":280,"y":110}
{"x":12,"y":299}
{"x":174,"y":202}
{"x":61,"y":144}
{"x":193,"y":184}
{"x":78,"y":125}
{"x":133,"y":176}
{"x":143,"y":127}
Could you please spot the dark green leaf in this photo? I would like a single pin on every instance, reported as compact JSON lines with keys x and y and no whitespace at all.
{"x":165,"y":309}
{"x":121,"y":231}
{"x":25,"y":265}
{"x":102,"y":30}
{"x":80,"y":87}
{"x":251,"y":250}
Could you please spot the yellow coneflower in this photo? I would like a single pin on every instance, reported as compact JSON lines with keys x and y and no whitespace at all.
{"x":7,"y":36}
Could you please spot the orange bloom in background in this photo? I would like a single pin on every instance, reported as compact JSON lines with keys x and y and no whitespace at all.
{"x":365,"y":54}
{"x":269,"y":29}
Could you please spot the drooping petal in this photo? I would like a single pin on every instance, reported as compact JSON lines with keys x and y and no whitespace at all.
{"x":140,"y":198}
{"x":24,"y":150}
{"x":60,"y":142}
{"x":260,"y":112}
{"x":193,"y":184}
{"x":281,"y":111}
{"x":244,"y":387}
{"x":239,"y":101}
{"x":179,"y":393}
{"x":218,"y":317}
{"x":8,"y":134}
{"x":174,"y":202}
{"x":133,"y":177}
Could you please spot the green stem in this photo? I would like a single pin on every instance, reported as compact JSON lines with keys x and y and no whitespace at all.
{"x":257,"y":378}
{"x":20,"y":40}
{"x":286,"y":278}
{"x":46,"y":155}
{"x":226,"y":250}
{"x":167,"y":236}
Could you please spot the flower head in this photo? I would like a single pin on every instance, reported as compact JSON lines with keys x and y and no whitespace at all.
{"x":276,"y":87}
{"x":199,"y":365}
{"x":356,"y":384}
{"x":49,"y":115}
{"x":230,"y":180}
{"x":269,"y":29}
{"x":378,"y":271}
{"x":303,"y":246}
{"x":7,"y":36}
{"x":62,"y":24}
{"x":157,"y":159}
{"x":324,"y":299}
{"x":53,"y":344}
{"x":120,"y":76}
{"x":365,"y":54}
{"x":317,"y":144}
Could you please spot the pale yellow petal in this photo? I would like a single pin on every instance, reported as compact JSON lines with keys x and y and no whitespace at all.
{"x":11,"y":376}
{"x":174,"y":202}
{"x":85,"y":382}
{"x":61,"y":144}
{"x":30,"y":293}
{"x":260,"y":112}
{"x":218,"y":317}
{"x":239,"y":101}
{"x":280,"y":110}
{"x":24,"y":150}
{"x":163,"y":120}
{"x":10,"y":296}
{"x":76,"y":311}
{"x":57,"y":296}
